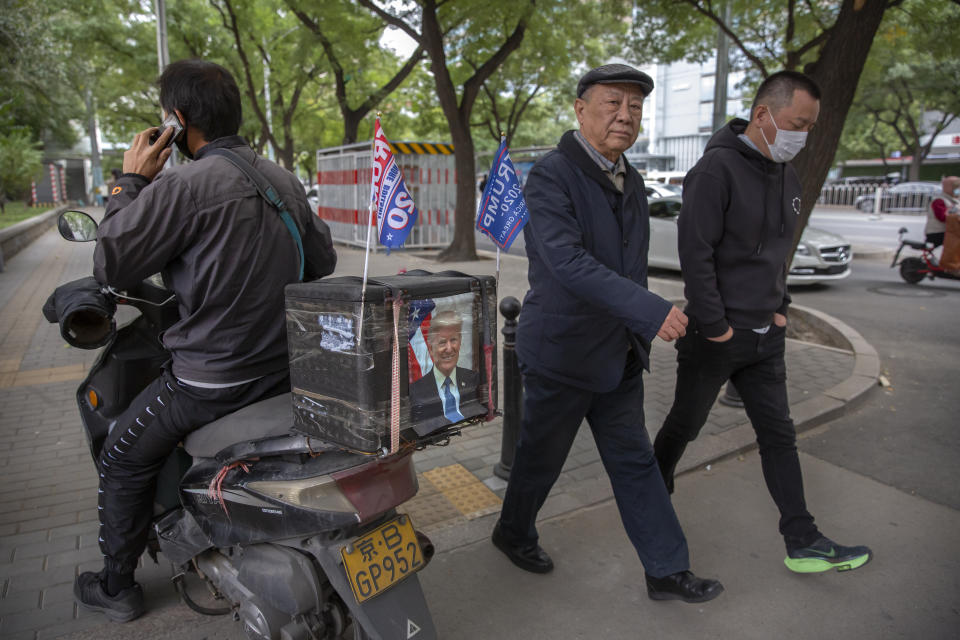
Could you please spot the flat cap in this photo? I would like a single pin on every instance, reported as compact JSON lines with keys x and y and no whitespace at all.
{"x":615,"y":74}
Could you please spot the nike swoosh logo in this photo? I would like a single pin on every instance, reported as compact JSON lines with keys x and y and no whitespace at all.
{"x":833,"y":552}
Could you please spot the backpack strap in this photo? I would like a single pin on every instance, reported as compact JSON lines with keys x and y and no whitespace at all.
{"x":268,"y":193}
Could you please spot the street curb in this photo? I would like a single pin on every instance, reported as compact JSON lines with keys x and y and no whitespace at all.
{"x":865,"y":252}
{"x":812,"y":412}
{"x":15,"y":237}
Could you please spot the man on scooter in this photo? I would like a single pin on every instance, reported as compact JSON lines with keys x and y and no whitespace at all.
{"x":227,"y":254}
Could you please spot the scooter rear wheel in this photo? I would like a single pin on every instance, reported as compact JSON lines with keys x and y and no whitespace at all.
{"x":910,"y":270}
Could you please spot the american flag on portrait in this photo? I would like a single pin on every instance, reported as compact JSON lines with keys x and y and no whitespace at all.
{"x":418,"y":356}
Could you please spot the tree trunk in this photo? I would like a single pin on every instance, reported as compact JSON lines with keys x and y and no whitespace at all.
{"x":837,"y":71}
{"x":351,"y":125}
{"x":464,"y":245}
{"x":915,"y":163}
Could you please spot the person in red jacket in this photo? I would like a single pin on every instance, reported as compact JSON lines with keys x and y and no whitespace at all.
{"x":939,"y":207}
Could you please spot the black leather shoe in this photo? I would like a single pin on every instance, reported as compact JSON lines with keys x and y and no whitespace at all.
{"x":683,"y":586}
{"x":530,"y":557}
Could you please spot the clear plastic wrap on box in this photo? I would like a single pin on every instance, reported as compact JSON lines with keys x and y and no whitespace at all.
{"x":342,"y":373}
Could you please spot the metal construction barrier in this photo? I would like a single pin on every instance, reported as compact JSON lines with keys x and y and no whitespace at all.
{"x":343,"y":189}
{"x":879,"y":198}
{"x":845,"y":194}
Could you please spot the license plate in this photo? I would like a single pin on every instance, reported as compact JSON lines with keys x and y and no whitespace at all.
{"x":382,"y":558}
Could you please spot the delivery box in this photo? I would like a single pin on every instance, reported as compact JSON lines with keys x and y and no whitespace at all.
{"x":428,"y":340}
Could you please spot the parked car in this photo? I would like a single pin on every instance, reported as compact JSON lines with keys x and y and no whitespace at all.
{"x":821,"y":256}
{"x":906,"y":196}
{"x":661,"y":190}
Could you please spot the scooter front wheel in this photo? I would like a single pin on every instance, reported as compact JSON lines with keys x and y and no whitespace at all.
{"x":911,"y":270}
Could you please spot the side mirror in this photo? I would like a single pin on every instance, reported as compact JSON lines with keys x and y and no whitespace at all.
{"x":77,"y":226}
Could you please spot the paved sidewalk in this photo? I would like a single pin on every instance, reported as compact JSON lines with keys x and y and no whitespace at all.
{"x":48,"y":523}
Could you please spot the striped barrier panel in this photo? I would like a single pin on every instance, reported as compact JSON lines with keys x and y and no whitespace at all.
{"x":53,"y":182}
{"x":343,"y":189}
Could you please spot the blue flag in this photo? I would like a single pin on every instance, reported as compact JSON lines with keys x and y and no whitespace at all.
{"x":396,"y":212}
{"x":503,"y":211}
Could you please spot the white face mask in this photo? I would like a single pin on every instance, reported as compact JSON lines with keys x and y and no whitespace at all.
{"x":786,"y":145}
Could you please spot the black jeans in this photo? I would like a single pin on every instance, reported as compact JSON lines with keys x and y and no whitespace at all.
{"x":141,"y":440}
{"x":755,"y":364}
{"x":552,"y":414}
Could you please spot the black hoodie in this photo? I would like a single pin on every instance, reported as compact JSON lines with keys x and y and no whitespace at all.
{"x":735,"y":233}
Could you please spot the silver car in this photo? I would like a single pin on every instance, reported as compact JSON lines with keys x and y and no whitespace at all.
{"x":821,"y":256}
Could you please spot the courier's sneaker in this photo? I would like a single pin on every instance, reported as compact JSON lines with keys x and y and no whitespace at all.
{"x":90,"y":595}
{"x":825,"y":554}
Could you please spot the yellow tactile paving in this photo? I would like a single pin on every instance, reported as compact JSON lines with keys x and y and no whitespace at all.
{"x":450,"y":477}
{"x":474,"y":500}
{"x":43,"y":376}
{"x":461,"y":489}
{"x":429,"y":509}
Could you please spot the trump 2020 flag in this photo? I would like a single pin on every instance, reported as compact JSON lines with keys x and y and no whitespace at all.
{"x":396,"y":212}
{"x":503,"y":211}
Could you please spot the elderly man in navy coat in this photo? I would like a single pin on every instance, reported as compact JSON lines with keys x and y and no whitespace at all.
{"x":585,"y":333}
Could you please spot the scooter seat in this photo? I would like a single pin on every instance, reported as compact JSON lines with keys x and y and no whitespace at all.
{"x":271,"y":417}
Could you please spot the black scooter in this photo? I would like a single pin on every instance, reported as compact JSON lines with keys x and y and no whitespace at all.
{"x":297,"y":538}
{"x":913,"y":269}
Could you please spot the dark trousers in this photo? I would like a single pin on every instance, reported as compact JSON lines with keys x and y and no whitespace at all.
{"x":552,"y":414}
{"x":139,"y":443}
{"x":755,"y":364}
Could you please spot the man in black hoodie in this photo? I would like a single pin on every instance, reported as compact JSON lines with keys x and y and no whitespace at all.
{"x":741,"y":203}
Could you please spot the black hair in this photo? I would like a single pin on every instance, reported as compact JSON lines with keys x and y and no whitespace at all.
{"x":777,"y":90}
{"x":205,"y":93}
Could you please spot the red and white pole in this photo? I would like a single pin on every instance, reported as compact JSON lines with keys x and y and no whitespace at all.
{"x":33,"y":193}
{"x":55,"y":193}
{"x":63,"y":183}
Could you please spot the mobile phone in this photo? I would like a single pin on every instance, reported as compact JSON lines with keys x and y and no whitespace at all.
{"x":170,"y":121}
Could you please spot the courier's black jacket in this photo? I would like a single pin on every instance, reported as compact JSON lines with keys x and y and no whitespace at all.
{"x":735,"y":233}
{"x":587,"y":248}
{"x":223,"y":250}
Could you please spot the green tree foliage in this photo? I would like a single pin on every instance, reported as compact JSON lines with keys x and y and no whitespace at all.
{"x":267,"y":36}
{"x":19,"y":162}
{"x":466,"y":43}
{"x":829,"y":41}
{"x":364,"y":73}
{"x":910,"y":89}
{"x":35,"y":69}
{"x":530,"y":98}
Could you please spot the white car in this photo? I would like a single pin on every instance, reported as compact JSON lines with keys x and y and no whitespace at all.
{"x":821,"y":256}
{"x":313,"y":198}
{"x":661,"y":190}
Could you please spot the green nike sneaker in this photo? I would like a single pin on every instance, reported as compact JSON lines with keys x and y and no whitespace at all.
{"x":825,"y":554}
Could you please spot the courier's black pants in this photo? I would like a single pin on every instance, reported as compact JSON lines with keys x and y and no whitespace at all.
{"x":552,"y":414}
{"x":139,"y":443}
{"x":755,"y":364}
